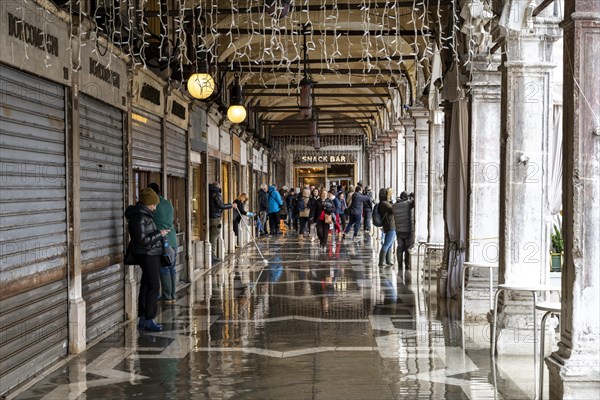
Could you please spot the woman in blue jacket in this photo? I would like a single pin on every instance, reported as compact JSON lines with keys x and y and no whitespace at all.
{"x":274,"y":202}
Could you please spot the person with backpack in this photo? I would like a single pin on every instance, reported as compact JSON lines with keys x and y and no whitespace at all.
{"x":403,"y":217}
{"x":302,"y":201}
{"x":290,"y":201}
{"x":356,"y":211}
{"x":384,"y":215}
{"x":368,"y":211}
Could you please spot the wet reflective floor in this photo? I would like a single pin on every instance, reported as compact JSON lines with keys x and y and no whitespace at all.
{"x":307,"y":325}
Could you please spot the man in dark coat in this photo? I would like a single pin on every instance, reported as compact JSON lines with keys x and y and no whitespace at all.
{"x":215,"y":211}
{"x":356,"y":211}
{"x":403,"y":217}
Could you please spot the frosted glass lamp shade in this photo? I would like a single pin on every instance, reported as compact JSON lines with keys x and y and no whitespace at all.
{"x":236,"y":114}
{"x":201,"y":86}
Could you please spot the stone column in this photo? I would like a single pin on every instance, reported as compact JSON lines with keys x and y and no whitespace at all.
{"x":394,"y":163}
{"x":435,"y":206}
{"x":484,"y":181}
{"x":401,"y":159}
{"x":387,"y":164}
{"x":421,"y":116}
{"x":573,"y":369}
{"x":524,"y":240}
{"x":409,"y":155}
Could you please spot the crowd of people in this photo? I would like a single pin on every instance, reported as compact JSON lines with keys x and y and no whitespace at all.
{"x":316,"y":213}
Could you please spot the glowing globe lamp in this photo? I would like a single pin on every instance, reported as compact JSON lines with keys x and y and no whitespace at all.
{"x":201,"y":86}
{"x":236,"y":114}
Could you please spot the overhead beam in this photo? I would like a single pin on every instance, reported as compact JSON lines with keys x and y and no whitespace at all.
{"x":317,"y":85}
{"x":266,"y":63}
{"x":302,"y":8}
{"x":316,"y":94}
{"x":299,"y":32}
{"x":322,"y":106}
{"x":307,"y":121}
{"x":541,"y":7}
{"x":316,"y":71}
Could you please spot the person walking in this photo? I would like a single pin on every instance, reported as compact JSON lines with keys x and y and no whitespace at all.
{"x":303,"y":205}
{"x":324,"y":210}
{"x":215,"y":212}
{"x":240,"y":203}
{"x":356,"y":211}
{"x":368,"y":211}
{"x":163,"y":218}
{"x":263,"y":208}
{"x":337,"y":204}
{"x":389,"y":227}
{"x":147,"y":246}
{"x":343,"y":207}
{"x":403,"y":218}
{"x":274,"y":203}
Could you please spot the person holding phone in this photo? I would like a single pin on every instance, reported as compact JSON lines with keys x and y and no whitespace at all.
{"x":147,"y":246}
{"x":163,"y":218}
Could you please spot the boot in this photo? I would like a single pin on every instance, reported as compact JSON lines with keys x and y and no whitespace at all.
{"x":388,"y":258}
{"x":381,"y":258}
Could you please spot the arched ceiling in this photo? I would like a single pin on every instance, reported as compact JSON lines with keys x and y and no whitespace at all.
{"x":360,"y":54}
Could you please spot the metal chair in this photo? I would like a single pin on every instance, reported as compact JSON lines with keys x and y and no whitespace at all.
{"x":550,"y":308}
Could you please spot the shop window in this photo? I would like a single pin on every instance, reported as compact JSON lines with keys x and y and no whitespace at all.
{"x":198,"y":203}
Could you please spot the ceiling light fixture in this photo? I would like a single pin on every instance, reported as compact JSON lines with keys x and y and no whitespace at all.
{"x":306,"y":85}
{"x":201,"y":85}
{"x":236,"y":112}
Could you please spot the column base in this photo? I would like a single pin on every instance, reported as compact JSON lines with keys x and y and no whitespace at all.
{"x":575,"y":378}
{"x":131,"y":291}
{"x":77,"y":326}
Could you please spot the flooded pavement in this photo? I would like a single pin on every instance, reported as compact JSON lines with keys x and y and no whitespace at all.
{"x":308,"y":325}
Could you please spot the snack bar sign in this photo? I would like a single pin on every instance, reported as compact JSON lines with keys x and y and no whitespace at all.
{"x":324,"y":159}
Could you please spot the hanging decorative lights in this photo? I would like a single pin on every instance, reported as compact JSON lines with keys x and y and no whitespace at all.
{"x":236,"y":112}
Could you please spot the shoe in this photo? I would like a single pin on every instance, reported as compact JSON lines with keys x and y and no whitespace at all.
{"x":141,"y":322}
{"x":344,"y":235}
{"x":357,"y":239}
{"x":152,"y":326}
{"x":172,"y":301}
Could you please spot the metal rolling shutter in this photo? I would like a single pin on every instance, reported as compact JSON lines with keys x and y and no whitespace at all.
{"x":176,"y":151}
{"x":101,"y":190}
{"x":146,"y":142}
{"x":33,"y":233}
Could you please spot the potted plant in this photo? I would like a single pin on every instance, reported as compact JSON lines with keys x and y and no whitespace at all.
{"x":557,"y":250}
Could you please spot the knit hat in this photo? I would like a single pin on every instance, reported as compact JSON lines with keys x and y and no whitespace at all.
{"x":149,"y":197}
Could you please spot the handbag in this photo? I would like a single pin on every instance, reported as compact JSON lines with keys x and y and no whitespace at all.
{"x":328,"y":219}
{"x":168,"y":256}
{"x":130,"y":258}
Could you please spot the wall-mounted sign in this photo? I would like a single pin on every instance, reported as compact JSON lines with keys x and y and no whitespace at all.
{"x":177,"y":109}
{"x":148,"y":92}
{"x":324,"y":159}
{"x":35,"y":40}
{"x":103,"y":77}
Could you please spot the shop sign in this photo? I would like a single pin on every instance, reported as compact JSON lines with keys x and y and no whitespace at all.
{"x":103,"y":77}
{"x":177,"y":109}
{"x":265,"y":163}
{"x":324,"y":159}
{"x":35,"y":40}
{"x":148,"y":92}
{"x":243,"y":153}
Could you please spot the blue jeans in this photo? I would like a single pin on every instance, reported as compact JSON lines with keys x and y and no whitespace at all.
{"x":354,"y":220}
{"x":168,"y":279}
{"x":388,"y":241}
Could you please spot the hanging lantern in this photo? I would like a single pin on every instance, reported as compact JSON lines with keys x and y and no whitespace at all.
{"x":201,"y":85}
{"x":306,"y":86}
{"x":236,"y":111}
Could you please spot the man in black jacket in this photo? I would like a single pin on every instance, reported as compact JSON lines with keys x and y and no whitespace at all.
{"x":263,"y":208}
{"x":215,"y":211}
{"x":403,"y":216}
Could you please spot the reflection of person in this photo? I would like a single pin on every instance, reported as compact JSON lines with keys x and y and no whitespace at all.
{"x":163,"y":218}
{"x":147,"y":246}
{"x":240,"y":202}
{"x":403,"y":210}
{"x":215,"y":211}
{"x":389,"y":228}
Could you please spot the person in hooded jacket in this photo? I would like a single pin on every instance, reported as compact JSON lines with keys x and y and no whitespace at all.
{"x":368,"y":211}
{"x":304,"y":199}
{"x":274,"y":202}
{"x":389,"y":227}
{"x":323,"y":207}
{"x":215,"y":212}
{"x":355,"y":205}
{"x":403,"y":217}
{"x":147,"y":245}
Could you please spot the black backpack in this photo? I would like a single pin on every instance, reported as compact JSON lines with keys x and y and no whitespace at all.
{"x":377,"y":218}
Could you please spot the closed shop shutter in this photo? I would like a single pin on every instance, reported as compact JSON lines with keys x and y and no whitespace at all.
{"x":101,"y":190}
{"x":146,"y":142}
{"x":176,"y":151}
{"x":33,"y":211}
